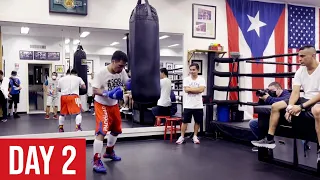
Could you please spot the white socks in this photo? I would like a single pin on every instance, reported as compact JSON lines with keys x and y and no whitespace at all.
{"x":61,"y":120}
{"x":111,"y":140}
{"x":97,"y":147}
{"x":78,"y":119}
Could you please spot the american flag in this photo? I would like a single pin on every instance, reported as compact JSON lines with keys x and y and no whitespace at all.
{"x":258,"y":29}
{"x":301,"y":30}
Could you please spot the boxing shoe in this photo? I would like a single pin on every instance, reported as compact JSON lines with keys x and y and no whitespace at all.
{"x":112,"y":156}
{"x":116,"y":93}
{"x":98,"y":166}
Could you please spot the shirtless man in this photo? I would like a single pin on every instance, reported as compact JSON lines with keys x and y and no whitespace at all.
{"x":107,"y":88}
{"x":70,"y":101}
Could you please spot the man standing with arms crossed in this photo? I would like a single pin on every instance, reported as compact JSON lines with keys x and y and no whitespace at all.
{"x":50,"y":87}
{"x":107,"y":87}
{"x":194,"y":85}
{"x":70,"y":100}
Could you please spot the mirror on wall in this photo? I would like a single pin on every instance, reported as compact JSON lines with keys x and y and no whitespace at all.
{"x":35,"y":51}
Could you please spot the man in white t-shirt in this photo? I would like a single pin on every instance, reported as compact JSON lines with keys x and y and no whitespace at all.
{"x":306,"y":77}
{"x":50,"y":88}
{"x":69,"y":100}
{"x":164,"y":103}
{"x":107,"y":88}
{"x":194,"y":85}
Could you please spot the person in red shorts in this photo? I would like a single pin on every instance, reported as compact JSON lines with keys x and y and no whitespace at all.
{"x":108,"y":89}
{"x":69,"y":100}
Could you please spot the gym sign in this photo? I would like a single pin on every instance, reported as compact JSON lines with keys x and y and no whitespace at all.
{"x":79,"y":7}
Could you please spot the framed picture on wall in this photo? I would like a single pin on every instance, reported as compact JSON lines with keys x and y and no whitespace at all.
{"x":161,"y":64}
{"x":59,"y":69}
{"x":169,"y":66}
{"x":40,"y":55}
{"x":26,"y":55}
{"x":199,"y":62}
{"x":89,"y":67}
{"x":55,"y":56}
{"x":204,"y":21}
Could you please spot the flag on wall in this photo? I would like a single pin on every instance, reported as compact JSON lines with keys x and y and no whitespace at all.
{"x":255,"y":29}
{"x":301,"y":30}
{"x":258,"y":29}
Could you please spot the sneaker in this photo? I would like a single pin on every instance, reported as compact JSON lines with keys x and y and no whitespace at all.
{"x":180,"y":140}
{"x":265,"y":143}
{"x":78,"y":127}
{"x":55,"y":116}
{"x":47,"y":117}
{"x":61,"y":129}
{"x":93,"y":114}
{"x":98,"y":166}
{"x":255,"y":149}
{"x":112,"y":156}
{"x":318,"y":159}
{"x":195,"y":140}
{"x":4,"y":120}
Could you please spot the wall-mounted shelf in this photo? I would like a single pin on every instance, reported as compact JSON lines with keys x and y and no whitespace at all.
{"x":192,"y":52}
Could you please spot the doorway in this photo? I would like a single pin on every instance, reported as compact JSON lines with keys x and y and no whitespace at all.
{"x":38,"y":74}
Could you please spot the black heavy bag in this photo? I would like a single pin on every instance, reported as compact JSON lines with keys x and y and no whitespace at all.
{"x":144,"y":53}
{"x":80,"y":65}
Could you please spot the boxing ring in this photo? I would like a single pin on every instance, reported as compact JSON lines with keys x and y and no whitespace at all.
{"x":296,"y":141}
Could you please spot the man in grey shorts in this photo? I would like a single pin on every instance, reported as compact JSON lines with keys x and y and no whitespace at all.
{"x":307,"y":77}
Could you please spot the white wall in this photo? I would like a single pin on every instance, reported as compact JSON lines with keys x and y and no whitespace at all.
{"x":101,"y":11}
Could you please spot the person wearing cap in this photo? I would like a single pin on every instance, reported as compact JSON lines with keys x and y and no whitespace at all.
{"x":14,"y":90}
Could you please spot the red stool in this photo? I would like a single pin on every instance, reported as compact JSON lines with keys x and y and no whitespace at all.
{"x":158,"y":120}
{"x":172,"y":122}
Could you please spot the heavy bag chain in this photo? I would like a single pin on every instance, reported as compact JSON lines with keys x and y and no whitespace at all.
{"x":142,"y":12}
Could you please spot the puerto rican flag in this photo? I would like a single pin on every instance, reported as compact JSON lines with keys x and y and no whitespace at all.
{"x":258,"y":29}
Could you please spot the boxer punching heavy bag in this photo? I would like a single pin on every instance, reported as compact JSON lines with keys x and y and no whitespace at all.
{"x":80,"y":66}
{"x":144,"y":53}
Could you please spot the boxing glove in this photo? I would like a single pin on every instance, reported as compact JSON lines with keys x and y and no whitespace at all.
{"x":115,"y":93}
{"x":128,"y":85}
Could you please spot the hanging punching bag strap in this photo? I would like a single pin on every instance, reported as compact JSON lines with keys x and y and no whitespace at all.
{"x":148,"y":7}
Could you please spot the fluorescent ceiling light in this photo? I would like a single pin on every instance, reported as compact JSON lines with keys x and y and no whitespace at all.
{"x":174,"y":45}
{"x":114,"y":43}
{"x":124,"y":37}
{"x":164,"y":37}
{"x":76,"y":41}
{"x":67,"y":41}
{"x":84,"y":34}
{"x":24,"y":30}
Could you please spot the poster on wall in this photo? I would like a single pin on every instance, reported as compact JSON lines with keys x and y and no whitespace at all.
{"x":40,"y":55}
{"x":203,"y":21}
{"x":59,"y":69}
{"x":55,"y":56}
{"x":90,"y":67}
{"x":79,"y":7}
{"x":26,"y":55}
